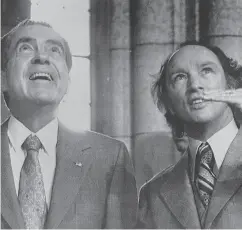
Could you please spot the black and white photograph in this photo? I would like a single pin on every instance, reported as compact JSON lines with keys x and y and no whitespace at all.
{"x":121,"y":114}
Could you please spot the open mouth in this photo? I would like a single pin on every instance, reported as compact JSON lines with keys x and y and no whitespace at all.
{"x":197,"y":101}
{"x":41,"y":76}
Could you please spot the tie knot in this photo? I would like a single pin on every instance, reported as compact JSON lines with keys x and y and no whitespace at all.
{"x":32,"y":143}
{"x":205,"y":153}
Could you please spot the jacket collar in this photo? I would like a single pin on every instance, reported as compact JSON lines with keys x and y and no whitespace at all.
{"x":73,"y":159}
{"x":178,"y":194}
{"x":228,"y":181}
{"x":11,"y":211}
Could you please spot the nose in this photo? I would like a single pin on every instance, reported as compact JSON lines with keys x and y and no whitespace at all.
{"x":41,"y":59}
{"x":194,"y":82}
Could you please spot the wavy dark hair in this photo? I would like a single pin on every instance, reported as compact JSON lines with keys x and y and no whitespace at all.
{"x":233,"y":74}
{"x":6,"y":41}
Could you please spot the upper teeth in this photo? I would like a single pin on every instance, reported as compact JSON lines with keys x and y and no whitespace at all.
{"x":35,"y":75}
{"x":197,"y":101}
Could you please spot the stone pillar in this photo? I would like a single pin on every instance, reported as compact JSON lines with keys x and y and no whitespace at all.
{"x":111,"y":69}
{"x":225,"y":26}
{"x":12,"y":12}
{"x":157,"y":28}
{"x":120,"y":71}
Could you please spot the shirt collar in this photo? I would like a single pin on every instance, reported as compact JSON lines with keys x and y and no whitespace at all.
{"x":18,"y":133}
{"x":219,"y":143}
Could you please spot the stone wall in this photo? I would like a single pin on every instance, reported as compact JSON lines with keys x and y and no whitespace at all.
{"x":129,"y":41}
{"x":132,"y":39}
{"x":12,"y":12}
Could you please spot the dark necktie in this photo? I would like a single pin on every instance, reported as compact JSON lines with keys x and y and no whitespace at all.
{"x":204,"y":173}
{"x":31,"y":186}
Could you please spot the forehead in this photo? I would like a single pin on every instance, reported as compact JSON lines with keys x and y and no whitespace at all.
{"x":192,"y":55}
{"x":39,"y":33}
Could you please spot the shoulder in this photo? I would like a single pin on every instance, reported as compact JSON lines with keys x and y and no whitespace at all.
{"x":166,"y":176}
{"x":100,"y":144}
{"x":100,"y":138}
{"x":95,"y":139}
{"x":155,"y":183}
{"x":87,"y":135}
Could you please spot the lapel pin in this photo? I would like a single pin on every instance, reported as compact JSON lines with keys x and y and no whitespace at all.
{"x":78,"y":164}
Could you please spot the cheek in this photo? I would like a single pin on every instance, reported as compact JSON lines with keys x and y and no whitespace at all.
{"x":177,"y":95}
{"x":62,"y":68}
{"x":178,"y":100}
{"x":218,"y":83}
{"x":17,"y":66}
{"x":64,"y":83}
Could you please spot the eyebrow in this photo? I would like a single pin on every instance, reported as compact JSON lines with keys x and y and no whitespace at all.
{"x":208,"y":63}
{"x":178,"y":70}
{"x":23,"y":40}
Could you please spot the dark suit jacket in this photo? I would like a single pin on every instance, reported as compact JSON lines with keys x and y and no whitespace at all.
{"x":167,"y":200}
{"x":153,"y":152}
{"x":93,"y":186}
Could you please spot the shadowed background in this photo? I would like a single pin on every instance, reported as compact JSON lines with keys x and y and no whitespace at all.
{"x":129,"y":39}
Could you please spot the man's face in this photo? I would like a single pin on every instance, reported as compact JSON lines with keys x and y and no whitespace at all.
{"x":191,"y":71}
{"x":36,"y":71}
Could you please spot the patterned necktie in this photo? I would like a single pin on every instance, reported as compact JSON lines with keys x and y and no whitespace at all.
{"x":204,"y":174}
{"x":31,"y":186}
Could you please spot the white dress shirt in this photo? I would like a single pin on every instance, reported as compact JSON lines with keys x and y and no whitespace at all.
{"x":17,"y":134}
{"x":219,"y":143}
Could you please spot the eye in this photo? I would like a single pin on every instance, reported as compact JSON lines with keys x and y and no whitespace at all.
{"x":179,"y":77}
{"x":207,"y":70}
{"x":56,"y":49}
{"x":25,"y":48}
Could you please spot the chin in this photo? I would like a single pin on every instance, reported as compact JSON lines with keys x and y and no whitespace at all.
{"x":201,"y":120}
{"x":43,"y":97}
{"x":201,"y":116}
{"x":44,"y":101}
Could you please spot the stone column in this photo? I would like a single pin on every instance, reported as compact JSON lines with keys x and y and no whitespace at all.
{"x":111,"y":69}
{"x":225,"y":26}
{"x":120,"y":71}
{"x":12,"y":12}
{"x":157,"y":28}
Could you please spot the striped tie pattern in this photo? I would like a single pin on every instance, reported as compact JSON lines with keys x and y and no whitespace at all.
{"x":31,"y":186}
{"x":204,"y":176}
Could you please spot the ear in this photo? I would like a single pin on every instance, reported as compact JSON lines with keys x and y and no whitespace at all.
{"x":4,"y":84}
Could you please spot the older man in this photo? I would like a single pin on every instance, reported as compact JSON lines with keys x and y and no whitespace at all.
{"x":52,"y":177}
{"x":204,"y":189}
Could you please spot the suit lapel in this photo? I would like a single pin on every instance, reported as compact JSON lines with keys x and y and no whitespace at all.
{"x":229,"y":179}
{"x":72,"y":163}
{"x":11,"y":211}
{"x":178,"y":194}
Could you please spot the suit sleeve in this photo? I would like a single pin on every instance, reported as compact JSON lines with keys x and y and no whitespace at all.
{"x":122,"y":197}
